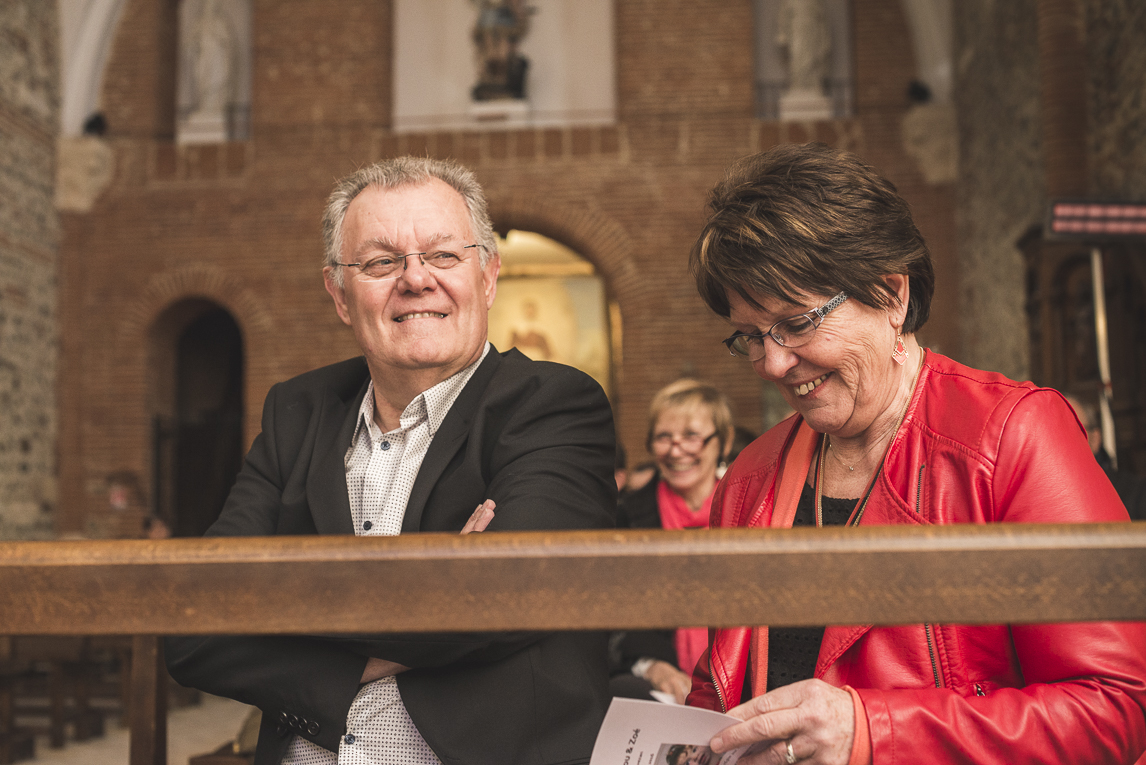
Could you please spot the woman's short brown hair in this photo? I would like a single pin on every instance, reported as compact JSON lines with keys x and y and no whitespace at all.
{"x":809,"y":219}
{"x":688,"y":393}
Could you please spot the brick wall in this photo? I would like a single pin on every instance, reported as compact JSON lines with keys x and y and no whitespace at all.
{"x":238,"y":224}
{"x":29,"y":111}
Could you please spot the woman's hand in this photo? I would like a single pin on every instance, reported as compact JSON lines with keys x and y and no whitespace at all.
{"x":815,"y":718}
{"x":668,"y":679}
{"x":480,"y":518}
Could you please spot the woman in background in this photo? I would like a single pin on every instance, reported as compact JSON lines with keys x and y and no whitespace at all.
{"x":690,"y":435}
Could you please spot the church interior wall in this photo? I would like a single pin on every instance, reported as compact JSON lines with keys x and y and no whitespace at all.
{"x":321,"y":107}
{"x":1002,"y":187}
{"x":1116,"y":30}
{"x":148,"y":222}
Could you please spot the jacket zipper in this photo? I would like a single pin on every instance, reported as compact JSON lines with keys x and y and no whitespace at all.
{"x":979,"y":690}
{"x":919,"y":490}
{"x":719,"y":695}
{"x":931,"y":650}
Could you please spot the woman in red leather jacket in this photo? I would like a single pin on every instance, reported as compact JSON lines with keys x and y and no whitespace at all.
{"x":816,"y":262}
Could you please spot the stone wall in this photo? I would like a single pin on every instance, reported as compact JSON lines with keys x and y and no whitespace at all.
{"x":1116,"y":31}
{"x":1002,"y":181}
{"x":29,"y":231}
{"x":1001,"y":185}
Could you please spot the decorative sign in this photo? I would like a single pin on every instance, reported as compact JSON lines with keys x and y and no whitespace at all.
{"x":1081,"y":219}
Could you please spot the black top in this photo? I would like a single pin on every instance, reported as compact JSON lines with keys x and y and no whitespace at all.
{"x":792,"y":651}
{"x":1131,"y":488}
{"x":639,"y":510}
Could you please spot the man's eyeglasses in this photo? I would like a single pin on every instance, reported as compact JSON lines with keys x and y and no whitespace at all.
{"x":790,"y":333}
{"x":391,"y":266}
{"x":689,"y":442}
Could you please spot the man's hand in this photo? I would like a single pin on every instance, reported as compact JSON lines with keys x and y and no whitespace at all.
{"x":668,"y":679}
{"x":481,"y":517}
{"x":376,"y":669}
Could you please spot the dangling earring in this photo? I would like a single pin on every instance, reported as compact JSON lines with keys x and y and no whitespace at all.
{"x":899,"y":353}
{"x":721,"y":469}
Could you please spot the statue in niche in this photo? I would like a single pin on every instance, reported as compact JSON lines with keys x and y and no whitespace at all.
{"x":211,"y":58}
{"x":528,"y":337}
{"x":805,"y":42}
{"x":501,"y":24}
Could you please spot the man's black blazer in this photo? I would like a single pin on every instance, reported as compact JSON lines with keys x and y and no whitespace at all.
{"x":535,"y":437}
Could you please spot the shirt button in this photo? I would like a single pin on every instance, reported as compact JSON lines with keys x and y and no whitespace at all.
{"x":367,"y":525}
{"x":348,"y":738}
{"x":385,"y":445}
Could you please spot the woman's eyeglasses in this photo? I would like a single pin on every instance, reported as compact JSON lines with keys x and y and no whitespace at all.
{"x":789,"y":333}
{"x":690,"y":442}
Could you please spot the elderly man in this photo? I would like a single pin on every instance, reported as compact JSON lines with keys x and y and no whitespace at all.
{"x":430,"y":423}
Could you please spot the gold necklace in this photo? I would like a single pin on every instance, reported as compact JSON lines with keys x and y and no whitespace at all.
{"x":825,"y":444}
{"x":854,"y":519}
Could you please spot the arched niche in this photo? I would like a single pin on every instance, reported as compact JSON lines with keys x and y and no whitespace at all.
{"x":552,"y":305}
{"x":196,"y":404}
{"x":569,"y":75}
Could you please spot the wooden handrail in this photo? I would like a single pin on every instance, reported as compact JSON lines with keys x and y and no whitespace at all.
{"x":560,"y":580}
{"x":576,"y":580}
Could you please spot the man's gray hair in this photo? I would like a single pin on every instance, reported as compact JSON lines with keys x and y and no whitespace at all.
{"x":406,"y":171}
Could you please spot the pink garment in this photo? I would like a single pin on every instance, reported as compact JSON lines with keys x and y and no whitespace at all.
{"x":691,"y":643}
{"x":675,"y":513}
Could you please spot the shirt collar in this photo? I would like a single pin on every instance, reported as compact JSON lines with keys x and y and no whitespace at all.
{"x":432,"y":404}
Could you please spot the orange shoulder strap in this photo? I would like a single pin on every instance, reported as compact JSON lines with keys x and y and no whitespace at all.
{"x":794,"y":468}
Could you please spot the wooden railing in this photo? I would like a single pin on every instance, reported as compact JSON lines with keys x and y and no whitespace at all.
{"x":559,"y":581}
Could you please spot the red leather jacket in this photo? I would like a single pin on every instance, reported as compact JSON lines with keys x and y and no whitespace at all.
{"x":974,"y":447}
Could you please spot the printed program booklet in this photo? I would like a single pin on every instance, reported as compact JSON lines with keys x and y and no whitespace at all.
{"x":650,"y":733}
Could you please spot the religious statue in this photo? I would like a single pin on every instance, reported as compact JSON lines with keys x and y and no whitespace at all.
{"x":501,"y":24}
{"x":213,"y":51}
{"x":209,"y":59}
{"x":529,"y":337}
{"x":806,"y":41}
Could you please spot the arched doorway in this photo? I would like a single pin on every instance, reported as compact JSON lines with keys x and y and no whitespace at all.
{"x":197,"y":422}
{"x":552,"y":306}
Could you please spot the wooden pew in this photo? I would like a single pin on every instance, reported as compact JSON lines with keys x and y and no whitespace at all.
{"x":57,"y":687}
{"x":15,"y":744}
{"x":563,"y":580}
